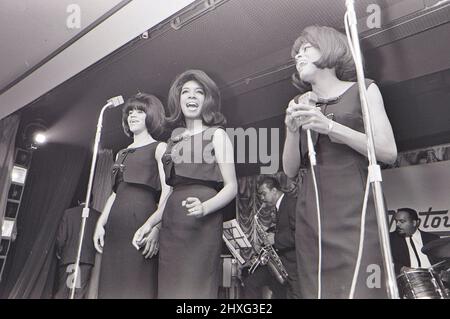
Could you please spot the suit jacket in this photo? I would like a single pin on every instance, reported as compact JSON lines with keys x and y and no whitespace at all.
{"x":68,"y":234}
{"x":284,"y":240}
{"x":400,"y":252}
{"x":285,"y":230}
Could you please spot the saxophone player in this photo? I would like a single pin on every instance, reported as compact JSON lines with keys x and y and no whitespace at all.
{"x":283,"y":236}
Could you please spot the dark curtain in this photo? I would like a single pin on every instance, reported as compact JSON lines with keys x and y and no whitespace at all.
{"x":101,"y":190}
{"x":427,"y":155}
{"x":50,"y":186}
{"x":8,"y":130}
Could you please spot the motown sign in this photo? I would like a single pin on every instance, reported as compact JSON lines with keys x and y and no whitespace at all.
{"x":424,"y":188}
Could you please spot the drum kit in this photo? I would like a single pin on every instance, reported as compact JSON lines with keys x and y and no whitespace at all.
{"x":428,"y":283}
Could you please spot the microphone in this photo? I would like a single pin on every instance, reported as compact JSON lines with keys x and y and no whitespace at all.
{"x":309,"y":98}
{"x":114,"y":102}
{"x":111,"y":103}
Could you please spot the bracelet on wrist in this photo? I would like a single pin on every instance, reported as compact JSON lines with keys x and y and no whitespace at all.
{"x":330,"y":126}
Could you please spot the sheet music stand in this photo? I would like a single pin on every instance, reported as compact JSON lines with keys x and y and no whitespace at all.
{"x":235,"y":239}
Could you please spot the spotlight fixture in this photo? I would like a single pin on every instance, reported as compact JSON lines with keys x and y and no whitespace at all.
{"x":34,"y":134}
{"x":40,"y":138}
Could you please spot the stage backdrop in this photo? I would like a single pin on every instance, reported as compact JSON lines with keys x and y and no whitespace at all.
{"x":425,"y":188}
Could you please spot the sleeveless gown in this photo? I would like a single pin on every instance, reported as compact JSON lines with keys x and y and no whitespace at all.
{"x":125,"y":273}
{"x":190,"y":247}
{"x":341,"y":174}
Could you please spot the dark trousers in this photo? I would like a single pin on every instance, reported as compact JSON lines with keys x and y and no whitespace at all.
{"x":289,"y":260}
{"x":262,"y":277}
{"x":66,"y":275}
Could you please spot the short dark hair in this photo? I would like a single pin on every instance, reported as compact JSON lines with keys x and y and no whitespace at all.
{"x":211,"y":114}
{"x":335,"y":53}
{"x":411,"y":212}
{"x":153,"y":108}
{"x":270,"y":182}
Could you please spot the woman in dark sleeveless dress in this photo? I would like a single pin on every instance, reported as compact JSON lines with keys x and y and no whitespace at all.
{"x":138,"y":179}
{"x":325,"y":66}
{"x":199,"y":165}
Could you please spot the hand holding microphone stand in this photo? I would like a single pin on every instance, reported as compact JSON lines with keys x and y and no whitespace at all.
{"x":374,"y":171}
{"x":111,"y":103}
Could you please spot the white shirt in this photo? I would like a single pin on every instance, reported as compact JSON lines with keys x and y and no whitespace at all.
{"x":417,"y":239}
{"x":277,"y":205}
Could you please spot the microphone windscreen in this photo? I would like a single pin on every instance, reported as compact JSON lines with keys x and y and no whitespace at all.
{"x":115,"y":101}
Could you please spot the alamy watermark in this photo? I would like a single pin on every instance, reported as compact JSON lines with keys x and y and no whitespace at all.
{"x":250,"y":146}
{"x":73,"y":20}
{"x":373,"y":21}
{"x":374,"y":276}
{"x":70,"y":269}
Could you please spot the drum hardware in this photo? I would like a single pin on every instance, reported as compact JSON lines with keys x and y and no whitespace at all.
{"x":421,"y":283}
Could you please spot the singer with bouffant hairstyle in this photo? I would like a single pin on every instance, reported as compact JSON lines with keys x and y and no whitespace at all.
{"x":126,"y":234}
{"x":154,"y":110}
{"x":210,"y":115}
{"x":334,"y":54}
{"x":325,"y":67}
{"x":191,"y":233}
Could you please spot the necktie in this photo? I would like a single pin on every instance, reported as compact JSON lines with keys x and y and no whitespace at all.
{"x":415,"y":251}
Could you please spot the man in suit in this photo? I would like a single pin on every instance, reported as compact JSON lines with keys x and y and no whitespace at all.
{"x":67,"y":248}
{"x":270,"y":193}
{"x":407,"y":241}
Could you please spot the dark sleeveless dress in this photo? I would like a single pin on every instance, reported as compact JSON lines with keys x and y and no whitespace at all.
{"x":341,"y":177}
{"x":190,"y":247}
{"x":125,"y":273}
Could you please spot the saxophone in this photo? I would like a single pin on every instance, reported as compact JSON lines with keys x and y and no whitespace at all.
{"x":268,"y":256}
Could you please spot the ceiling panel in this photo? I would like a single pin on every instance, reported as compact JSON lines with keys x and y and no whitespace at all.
{"x":30,"y":30}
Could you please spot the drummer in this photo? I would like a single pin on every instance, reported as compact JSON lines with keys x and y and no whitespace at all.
{"x":407,"y":241}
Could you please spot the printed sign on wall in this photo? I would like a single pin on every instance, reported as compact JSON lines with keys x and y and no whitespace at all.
{"x":424,"y":188}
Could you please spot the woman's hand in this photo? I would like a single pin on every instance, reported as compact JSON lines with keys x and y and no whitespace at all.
{"x":290,"y":120}
{"x":139,"y":235}
{"x":151,"y":243}
{"x":311,"y":117}
{"x":99,"y":237}
{"x":194,"y":206}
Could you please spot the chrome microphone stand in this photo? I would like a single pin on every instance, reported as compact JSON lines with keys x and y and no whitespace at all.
{"x":374,"y":174}
{"x":113,"y":102}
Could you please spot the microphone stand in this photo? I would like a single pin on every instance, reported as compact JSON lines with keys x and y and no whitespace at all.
{"x":374,"y":171}
{"x":85,"y":213}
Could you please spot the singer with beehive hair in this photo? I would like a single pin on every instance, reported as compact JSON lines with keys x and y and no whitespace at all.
{"x":199,"y":165}
{"x":332,"y":114}
{"x":124,"y":233}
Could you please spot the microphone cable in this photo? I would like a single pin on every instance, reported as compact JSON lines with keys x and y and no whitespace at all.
{"x":319,"y":233}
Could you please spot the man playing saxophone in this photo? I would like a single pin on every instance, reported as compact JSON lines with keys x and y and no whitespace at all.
{"x":282,"y":237}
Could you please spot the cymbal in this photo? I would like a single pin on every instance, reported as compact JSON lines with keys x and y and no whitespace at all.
{"x":439,"y":248}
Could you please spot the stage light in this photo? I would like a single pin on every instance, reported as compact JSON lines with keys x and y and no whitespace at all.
{"x":35,"y":134}
{"x":40,"y":138}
